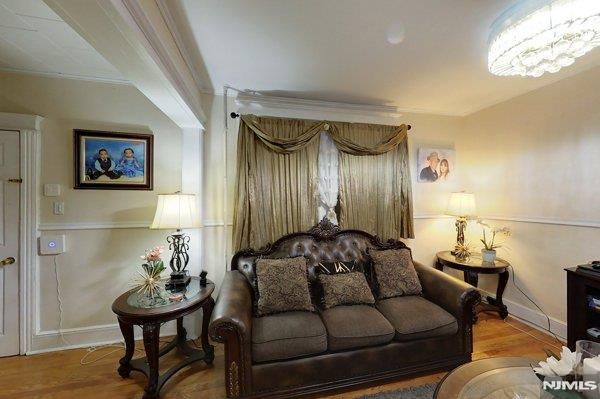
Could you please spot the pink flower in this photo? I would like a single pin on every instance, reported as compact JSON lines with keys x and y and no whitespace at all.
{"x":153,"y":255}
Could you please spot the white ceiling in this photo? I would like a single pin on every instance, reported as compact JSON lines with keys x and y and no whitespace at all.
{"x":337,"y":50}
{"x":34,"y":39}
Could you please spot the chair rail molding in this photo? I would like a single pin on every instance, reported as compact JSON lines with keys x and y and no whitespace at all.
{"x":28,"y":127}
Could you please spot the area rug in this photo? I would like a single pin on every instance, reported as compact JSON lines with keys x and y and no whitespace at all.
{"x":420,"y":392}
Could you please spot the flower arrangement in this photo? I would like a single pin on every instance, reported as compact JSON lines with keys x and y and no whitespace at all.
{"x":489,"y":240}
{"x":558,"y":366}
{"x":148,"y":279}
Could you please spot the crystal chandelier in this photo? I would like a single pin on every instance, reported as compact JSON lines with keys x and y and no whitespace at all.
{"x":535,"y":37}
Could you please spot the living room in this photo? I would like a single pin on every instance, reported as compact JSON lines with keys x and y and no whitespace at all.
{"x":218,"y":139}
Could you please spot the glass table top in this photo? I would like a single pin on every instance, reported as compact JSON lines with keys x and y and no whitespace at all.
{"x":143,"y":301}
{"x":504,"y":383}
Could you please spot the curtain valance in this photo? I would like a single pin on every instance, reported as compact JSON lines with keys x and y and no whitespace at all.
{"x":311,"y":129}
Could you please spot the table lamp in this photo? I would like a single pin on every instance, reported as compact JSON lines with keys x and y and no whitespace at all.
{"x":177,"y":211}
{"x":461,"y":205}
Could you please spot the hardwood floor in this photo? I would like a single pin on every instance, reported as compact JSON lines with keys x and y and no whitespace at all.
{"x":59,"y":375}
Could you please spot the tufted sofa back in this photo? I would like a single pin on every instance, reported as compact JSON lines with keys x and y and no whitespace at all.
{"x":322,"y":243}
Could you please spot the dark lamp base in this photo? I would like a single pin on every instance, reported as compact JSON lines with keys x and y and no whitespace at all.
{"x":178,"y":282}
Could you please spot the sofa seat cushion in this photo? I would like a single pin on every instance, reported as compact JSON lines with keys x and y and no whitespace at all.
{"x":287,"y":335}
{"x":356,"y":326}
{"x":414,"y":317}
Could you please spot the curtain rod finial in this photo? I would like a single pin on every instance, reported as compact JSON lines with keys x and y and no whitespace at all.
{"x":408,"y":127}
{"x":234,"y":115}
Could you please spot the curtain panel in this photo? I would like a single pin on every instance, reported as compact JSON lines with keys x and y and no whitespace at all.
{"x":375,"y":190}
{"x":277,"y":186}
{"x":276,"y":183}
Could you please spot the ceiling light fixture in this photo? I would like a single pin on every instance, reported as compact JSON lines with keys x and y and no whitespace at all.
{"x":539,"y":36}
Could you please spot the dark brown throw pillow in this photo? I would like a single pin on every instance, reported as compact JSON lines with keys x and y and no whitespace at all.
{"x":282,"y":285}
{"x":345,"y":289}
{"x":395,"y":273}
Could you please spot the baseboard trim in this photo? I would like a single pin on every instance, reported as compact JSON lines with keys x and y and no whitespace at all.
{"x":534,"y":318}
{"x":84,"y":337}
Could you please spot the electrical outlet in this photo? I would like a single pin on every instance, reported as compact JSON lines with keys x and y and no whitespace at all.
{"x":59,"y":208}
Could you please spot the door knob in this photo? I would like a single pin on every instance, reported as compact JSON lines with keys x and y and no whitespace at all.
{"x":7,"y":261}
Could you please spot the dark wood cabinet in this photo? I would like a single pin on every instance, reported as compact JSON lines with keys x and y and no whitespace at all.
{"x":582,"y":287}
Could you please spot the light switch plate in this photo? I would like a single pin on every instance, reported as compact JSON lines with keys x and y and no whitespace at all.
{"x":52,"y":244}
{"x":58,"y":208}
{"x":51,"y":190}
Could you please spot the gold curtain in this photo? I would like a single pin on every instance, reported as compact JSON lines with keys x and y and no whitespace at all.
{"x":276,"y":180}
{"x":276,"y":186}
{"x":375,"y":190}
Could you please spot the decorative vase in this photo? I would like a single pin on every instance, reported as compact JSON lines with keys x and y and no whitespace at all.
{"x":488,"y":255}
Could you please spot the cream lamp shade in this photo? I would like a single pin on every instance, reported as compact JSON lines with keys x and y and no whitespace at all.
{"x":461,"y":205}
{"x":176,"y":211}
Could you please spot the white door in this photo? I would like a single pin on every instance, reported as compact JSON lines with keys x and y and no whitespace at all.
{"x":9,"y":243}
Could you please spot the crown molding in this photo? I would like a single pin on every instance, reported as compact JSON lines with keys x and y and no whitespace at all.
{"x":256,"y":101}
{"x":67,"y":76}
{"x":174,"y":63}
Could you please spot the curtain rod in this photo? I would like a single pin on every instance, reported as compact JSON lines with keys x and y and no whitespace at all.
{"x":236,"y":115}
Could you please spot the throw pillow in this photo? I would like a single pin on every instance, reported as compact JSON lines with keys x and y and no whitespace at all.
{"x":345,"y":289}
{"x":395,"y":274}
{"x":282,"y":285}
{"x":336,"y":267}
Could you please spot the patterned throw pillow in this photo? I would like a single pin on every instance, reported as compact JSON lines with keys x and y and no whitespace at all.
{"x":345,"y":289}
{"x":282,"y":285}
{"x":395,"y":273}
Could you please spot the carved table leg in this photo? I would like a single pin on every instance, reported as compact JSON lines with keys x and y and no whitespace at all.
{"x":125,"y":365}
{"x":209,"y":350}
{"x":497,"y":302}
{"x":471,"y":278}
{"x":151,"y":345}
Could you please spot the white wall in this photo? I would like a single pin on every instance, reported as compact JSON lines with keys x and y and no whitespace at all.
{"x":99,"y":262}
{"x":535,"y":159}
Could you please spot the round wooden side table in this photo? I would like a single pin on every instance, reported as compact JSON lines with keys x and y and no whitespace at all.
{"x":133,"y":308}
{"x":472,"y":267}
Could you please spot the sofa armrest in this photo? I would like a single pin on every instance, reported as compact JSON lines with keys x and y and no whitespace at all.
{"x":455,"y":296}
{"x":231,"y":324}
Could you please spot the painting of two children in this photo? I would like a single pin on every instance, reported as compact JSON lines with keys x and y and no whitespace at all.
{"x":113,"y":160}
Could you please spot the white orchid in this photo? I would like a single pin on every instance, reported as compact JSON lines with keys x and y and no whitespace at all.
{"x":554,"y":367}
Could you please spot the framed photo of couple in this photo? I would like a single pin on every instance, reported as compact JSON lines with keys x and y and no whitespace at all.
{"x":435,"y":165}
{"x":113,"y":160}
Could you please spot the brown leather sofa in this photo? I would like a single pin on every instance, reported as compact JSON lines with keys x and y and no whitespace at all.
{"x":300,"y":353}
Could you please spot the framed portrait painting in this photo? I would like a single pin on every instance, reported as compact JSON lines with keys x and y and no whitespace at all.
{"x":113,"y":160}
{"x":436,"y":165}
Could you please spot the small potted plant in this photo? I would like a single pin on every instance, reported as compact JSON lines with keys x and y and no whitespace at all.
{"x":490,"y":244}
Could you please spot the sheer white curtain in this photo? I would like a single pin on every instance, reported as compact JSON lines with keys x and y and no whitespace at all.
{"x":329,"y":181}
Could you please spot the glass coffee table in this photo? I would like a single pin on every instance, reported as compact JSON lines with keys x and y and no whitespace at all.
{"x":493,"y":378}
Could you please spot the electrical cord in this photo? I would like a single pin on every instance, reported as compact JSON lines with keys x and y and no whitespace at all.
{"x":91,"y":349}
{"x":60,"y":304}
{"x":537,"y":306}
